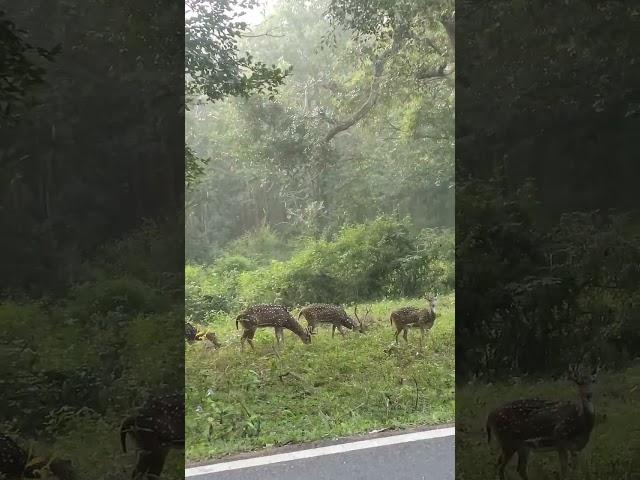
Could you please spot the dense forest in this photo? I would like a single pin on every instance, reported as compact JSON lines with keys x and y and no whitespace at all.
{"x":362,"y":126}
{"x":91,"y":188}
{"x":547,"y":237}
{"x":322,"y":173}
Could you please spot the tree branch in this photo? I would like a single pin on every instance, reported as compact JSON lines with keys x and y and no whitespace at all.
{"x":442,"y":71}
{"x":266,"y":34}
{"x":374,"y":90}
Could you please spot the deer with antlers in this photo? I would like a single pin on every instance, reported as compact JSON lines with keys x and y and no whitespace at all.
{"x":422,"y":318}
{"x":156,"y":428}
{"x":264,"y":316}
{"x":16,"y":463}
{"x":532,"y":424}
{"x":332,"y":314}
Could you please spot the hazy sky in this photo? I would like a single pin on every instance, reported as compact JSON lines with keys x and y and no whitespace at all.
{"x":256,"y":15}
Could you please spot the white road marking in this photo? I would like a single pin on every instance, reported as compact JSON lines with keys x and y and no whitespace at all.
{"x":320,"y":451}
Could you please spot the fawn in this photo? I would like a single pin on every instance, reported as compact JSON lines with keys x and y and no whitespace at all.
{"x":534,"y":424}
{"x":327,"y":313}
{"x":156,"y":428}
{"x":276,"y":316}
{"x":406,"y":317}
{"x":16,"y":463}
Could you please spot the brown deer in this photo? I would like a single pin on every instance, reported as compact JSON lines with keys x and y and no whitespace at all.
{"x":263,"y":316}
{"x":190,"y":332}
{"x":326,"y":313}
{"x":16,"y":463}
{"x":210,"y":339}
{"x":156,"y":428}
{"x":543,"y":425}
{"x":407,"y":317}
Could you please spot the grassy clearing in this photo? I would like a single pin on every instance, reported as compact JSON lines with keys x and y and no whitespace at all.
{"x":612,"y":452}
{"x":334,"y":387}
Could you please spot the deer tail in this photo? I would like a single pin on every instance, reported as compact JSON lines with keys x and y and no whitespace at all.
{"x":126,"y":427}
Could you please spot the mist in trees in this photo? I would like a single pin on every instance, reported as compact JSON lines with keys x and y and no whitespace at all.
{"x":355,"y":121}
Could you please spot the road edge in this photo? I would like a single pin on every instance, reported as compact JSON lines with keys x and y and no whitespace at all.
{"x":318,"y":448}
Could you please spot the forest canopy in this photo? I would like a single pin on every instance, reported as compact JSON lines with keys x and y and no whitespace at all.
{"x":352,"y":122}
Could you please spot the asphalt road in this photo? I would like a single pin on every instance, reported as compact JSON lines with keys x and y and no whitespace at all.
{"x":423,"y":459}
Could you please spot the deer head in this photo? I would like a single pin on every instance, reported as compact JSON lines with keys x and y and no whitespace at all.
{"x":584,"y":380}
{"x":306,"y":336}
{"x":432,"y":302}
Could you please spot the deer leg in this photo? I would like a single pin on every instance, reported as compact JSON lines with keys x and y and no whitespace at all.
{"x":404,"y":335}
{"x":247,"y":336}
{"x":562,"y":453}
{"x":242,"y":340}
{"x":279,"y":335}
{"x":523,"y":457}
{"x":333,"y":331}
{"x":503,"y":460}
{"x":150,"y":463}
{"x":574,"y":459}
{"x":398,"y":334}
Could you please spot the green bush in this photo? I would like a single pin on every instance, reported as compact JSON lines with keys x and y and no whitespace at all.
{"x":366,"y":261}
{"x":118,"y":294}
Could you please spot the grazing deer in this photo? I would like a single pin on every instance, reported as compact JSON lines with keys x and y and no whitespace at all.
{"x":210,"y":339}
{"x":276,"y":316}
{"x":156,"y":428}
{"x":190,"y":332}
{"x":16,"y":463}
{"x":534,"y":424}
{"x":327,"y":313}
{"x":406,"y":317}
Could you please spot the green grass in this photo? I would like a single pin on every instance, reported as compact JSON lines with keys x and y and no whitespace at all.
{"x":334,"y":387}
{"x":612,"y":452}
{"x":93,"y":445}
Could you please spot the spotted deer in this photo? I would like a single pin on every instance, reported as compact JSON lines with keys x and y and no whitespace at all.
{"x":422,"y":318}
{"x":156,"y":428}
{"x":190,"y":332}
{"x":210,"y":339}
{"x":522,"y":426}
{"x":326,"y":313}
{"x":263,"y":316}
{"x":16,"y":463}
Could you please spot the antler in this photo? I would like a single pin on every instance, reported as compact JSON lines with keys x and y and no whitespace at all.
{"x":355,"y":314}
{"x":574,"y":372}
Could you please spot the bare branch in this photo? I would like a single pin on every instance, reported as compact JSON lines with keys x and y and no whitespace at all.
{"x":266,"y":34}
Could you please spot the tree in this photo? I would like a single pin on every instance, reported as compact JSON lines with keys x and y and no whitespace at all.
{"x":214,"y":66}
{"x":21,"y":74}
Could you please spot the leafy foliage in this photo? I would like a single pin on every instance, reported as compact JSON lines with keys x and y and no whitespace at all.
{"x":543,"y":295}
{"x":383,"y":258}
{"x":213,"y":65}
{"x":270,"y":162}
{"x":19,"y":62}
